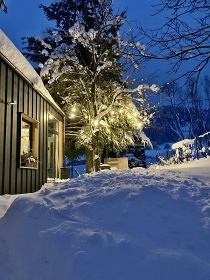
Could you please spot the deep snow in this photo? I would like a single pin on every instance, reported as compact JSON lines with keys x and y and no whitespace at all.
{"x":135,"y":224}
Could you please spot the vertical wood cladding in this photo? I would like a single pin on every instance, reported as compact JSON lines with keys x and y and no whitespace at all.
{"x":13,"y":87}
{"x":2,"y":121}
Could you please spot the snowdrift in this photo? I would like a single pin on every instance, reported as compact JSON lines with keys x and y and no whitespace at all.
{"x":118,"y":225}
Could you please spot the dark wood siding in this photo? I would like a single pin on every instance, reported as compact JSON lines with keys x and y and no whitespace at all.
{"x":2,"y":122}
{"x":14,"y":133}
{"x":8,"y":132}
{"x":14,"y":87}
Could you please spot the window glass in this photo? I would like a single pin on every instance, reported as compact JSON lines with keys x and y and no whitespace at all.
{"x":52,"y":160}
{"x":53,"y":124}
{"x":28,"y":142}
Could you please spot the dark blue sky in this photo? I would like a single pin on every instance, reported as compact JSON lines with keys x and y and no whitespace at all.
{"x":25,"y":18}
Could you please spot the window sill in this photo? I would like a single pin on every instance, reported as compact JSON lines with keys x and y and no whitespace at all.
{"x":30,"y":165}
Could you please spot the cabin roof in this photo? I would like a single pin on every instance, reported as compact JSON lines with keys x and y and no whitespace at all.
{"x":9,"y":51}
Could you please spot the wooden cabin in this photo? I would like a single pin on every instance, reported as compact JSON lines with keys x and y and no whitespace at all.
{"x":31,"y":125}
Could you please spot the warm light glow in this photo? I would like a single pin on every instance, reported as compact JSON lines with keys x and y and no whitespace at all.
{"x":96,"y":122}
{"x":73,"y":109}
{"x":140,"y":125}
{"x":72,"y":115}
{"x":51,"y":117}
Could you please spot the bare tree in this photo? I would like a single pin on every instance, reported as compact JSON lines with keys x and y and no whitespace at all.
{"x":189,"y":109}
{"x":184,"y":38}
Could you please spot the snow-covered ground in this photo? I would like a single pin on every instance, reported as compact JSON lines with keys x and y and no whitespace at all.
{"x":148,"y":224}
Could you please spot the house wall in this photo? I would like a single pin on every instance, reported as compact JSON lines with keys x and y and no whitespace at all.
{"x":15,"y":87}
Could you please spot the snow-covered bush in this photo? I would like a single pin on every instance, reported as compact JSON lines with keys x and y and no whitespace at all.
{"x":187,"y":149}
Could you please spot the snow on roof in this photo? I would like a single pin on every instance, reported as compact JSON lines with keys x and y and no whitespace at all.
{"x":182,"y":143}
{"x":21,"y":64}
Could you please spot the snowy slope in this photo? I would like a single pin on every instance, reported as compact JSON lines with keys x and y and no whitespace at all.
{"x":119,"y":225}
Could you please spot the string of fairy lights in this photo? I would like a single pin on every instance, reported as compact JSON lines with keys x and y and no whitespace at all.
{"x":76,"y":115}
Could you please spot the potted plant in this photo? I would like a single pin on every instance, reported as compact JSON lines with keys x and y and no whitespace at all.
{"x":28,"y":159}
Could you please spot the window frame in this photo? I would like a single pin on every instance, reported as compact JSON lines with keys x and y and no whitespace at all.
{"x":34,"y":139}
{"x":59,"y":131}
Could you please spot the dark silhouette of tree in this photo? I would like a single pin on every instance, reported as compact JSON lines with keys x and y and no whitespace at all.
{"x":184,"y":38}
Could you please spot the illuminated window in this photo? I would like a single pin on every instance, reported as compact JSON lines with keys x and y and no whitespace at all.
{"x":29,"y":142}
{"x":26,"y":136}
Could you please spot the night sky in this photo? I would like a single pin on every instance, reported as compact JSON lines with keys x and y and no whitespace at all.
{"x":25,"y":18}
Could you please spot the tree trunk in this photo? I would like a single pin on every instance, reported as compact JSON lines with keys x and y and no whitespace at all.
{"x":89,"y":160}
{"x":96,"y":154}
